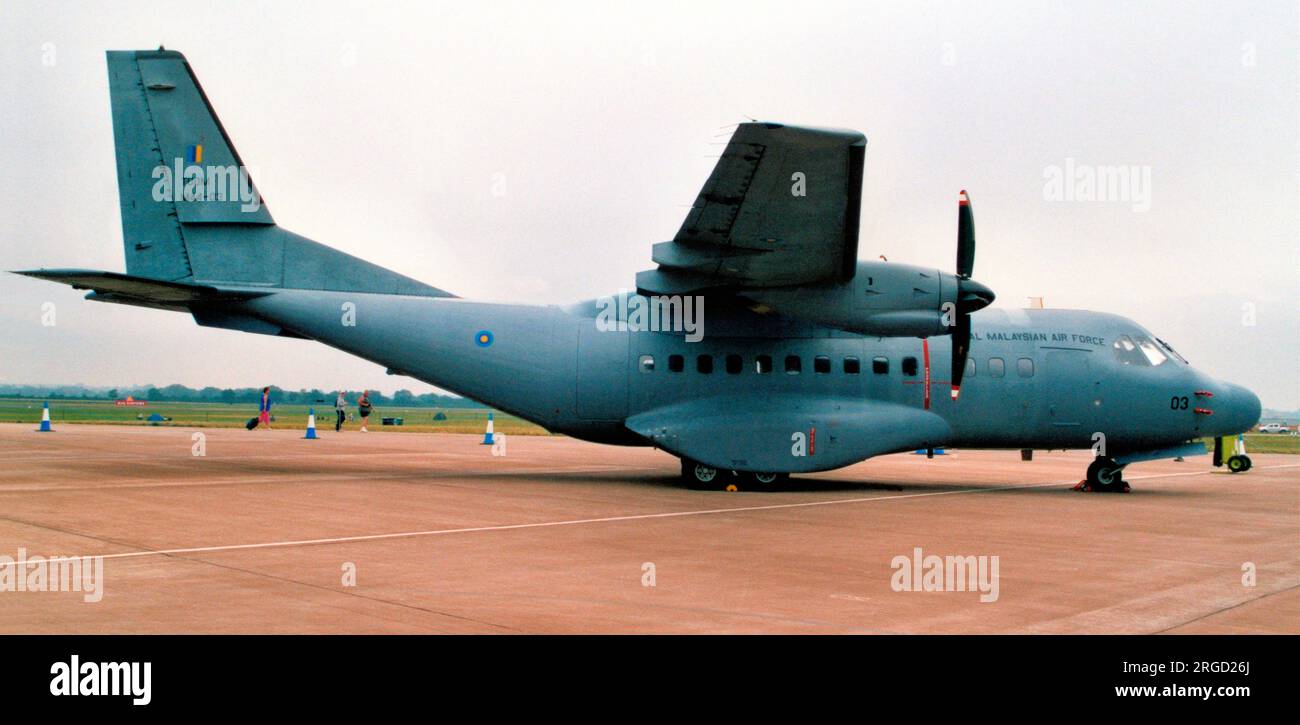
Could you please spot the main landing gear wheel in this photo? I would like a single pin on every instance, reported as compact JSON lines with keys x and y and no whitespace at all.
{"x":1239,"y":464}
{"x":1104,"y":474}
{"x":700,"y":477}
{"x":761,"y":481}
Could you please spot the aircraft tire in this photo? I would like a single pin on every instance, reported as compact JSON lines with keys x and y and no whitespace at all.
{"x":1238,"y":464}
{"x":1105,"y":474}
{"x":762,"y":481}
{"x":699,"y":477}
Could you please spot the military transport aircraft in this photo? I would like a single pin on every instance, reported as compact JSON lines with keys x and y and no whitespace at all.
{"x":811,"y":359}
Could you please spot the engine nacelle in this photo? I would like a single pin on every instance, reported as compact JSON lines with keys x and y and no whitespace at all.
{"x":882,"y":298}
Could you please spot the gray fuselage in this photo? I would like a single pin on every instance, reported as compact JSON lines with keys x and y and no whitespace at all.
{"x":1064,"y":377}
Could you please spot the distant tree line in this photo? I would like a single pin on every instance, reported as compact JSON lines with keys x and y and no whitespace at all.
{"x":210,"y":394}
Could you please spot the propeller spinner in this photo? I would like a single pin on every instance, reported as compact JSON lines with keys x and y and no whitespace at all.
{"x":971,"y":295}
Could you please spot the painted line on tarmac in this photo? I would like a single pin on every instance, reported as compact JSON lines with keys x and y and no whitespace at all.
{"x":609,"y":519}
{"x":418,"y":476}
{"x":186,"y":456}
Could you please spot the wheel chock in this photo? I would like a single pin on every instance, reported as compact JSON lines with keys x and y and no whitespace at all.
{"x":1085,"y":487}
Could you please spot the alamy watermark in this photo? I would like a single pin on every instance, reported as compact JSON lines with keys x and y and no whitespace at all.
{"x":53,"y":574}
{"x":187,"y":180}
{"x":626,"y":312}
{"x":932,"y":573}
{"x":1074,"y":181}
{"x":113,"y":679}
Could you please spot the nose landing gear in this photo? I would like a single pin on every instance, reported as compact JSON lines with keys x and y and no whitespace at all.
{"x":1104,"y":475}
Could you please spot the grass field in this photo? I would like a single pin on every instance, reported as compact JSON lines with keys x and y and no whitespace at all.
{"x":222,"y":415}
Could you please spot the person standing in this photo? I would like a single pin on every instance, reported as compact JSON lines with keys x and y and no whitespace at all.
{"x":340,"y":411}
{"x":363,"y":407}
{"x":264,"y":408}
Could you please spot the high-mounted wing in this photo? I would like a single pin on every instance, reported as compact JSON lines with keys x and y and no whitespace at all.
{"x":780,"y":208}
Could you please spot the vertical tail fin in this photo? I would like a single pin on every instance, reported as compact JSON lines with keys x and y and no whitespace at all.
{"x":190,"y":212}
{"x":176,"y":166}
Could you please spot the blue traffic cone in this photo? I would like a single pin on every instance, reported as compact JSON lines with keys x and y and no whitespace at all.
{"x":311,"y":424}
{"x":45,"y":419}
{"x":487,"y":437}
{"x":927,"y":452}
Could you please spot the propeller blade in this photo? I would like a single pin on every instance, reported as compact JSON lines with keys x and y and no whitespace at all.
{"x":960,"y":348}
{"x":965,"y":236}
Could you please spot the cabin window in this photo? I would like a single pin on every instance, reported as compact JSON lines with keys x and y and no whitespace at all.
{"x":880,"y":365}
{"x":909,"y":366}
{"x":646,"y":363}
{"x":763,"y":364}
{"x":821,"y":364}
{"x":735,"y":364}
{"x":1025,"y":367}
{"x":676,"y":363}
{"x":852,"y":366}
{"x":793,"y":365}
{"x":704,"y":364}
{"x":997,"y":368}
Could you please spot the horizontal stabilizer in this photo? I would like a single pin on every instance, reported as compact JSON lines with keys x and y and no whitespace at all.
{"x":142,"y":291}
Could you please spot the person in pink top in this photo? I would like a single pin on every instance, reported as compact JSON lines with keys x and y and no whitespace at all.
{"x":264,"y":409}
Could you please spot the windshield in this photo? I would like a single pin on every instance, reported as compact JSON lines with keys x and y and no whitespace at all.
{"x":1141,"y":350}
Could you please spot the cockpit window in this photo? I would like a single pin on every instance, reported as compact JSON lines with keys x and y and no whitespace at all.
{"x":1151,"y":350}
{"x":1139,"y":350}
{"x":1127,"y":352}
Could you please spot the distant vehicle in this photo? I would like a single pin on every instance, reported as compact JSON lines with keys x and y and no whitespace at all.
{"x":1274,"y":428}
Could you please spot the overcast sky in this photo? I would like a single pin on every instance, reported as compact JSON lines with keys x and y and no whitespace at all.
{"x":385,"y":132}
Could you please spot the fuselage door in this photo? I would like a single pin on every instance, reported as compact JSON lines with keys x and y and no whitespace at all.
{"x":1069,"y":394}
{"x":602,"y":373}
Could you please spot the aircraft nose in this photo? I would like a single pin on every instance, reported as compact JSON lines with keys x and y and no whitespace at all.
{"x":1242,"y":410}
